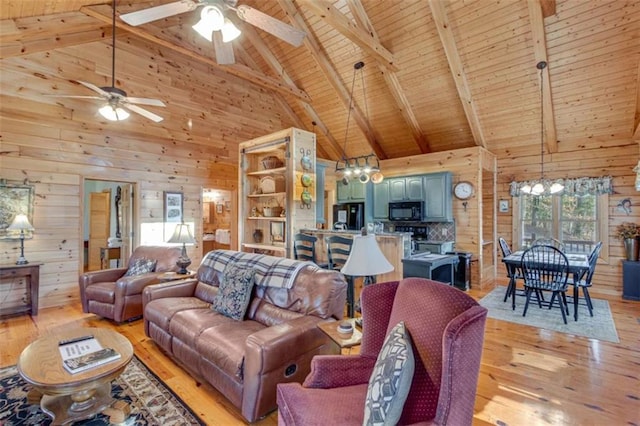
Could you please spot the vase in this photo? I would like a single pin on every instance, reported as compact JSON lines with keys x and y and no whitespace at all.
{"x":257,"y":236}
{"x":631,"y":246}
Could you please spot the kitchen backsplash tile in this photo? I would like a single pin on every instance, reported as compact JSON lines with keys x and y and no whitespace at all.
{"x":441,"y":231}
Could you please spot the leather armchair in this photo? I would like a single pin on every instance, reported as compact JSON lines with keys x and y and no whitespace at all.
{"x":109,"y":294}
{"x":447,"y":332}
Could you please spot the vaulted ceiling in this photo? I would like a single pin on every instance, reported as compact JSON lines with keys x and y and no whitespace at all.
{"x":438,"y":75}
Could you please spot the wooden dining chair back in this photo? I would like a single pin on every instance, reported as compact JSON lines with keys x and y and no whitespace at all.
{"x":585,"y":280}
{"x":338,"y":250}
{"x":304,"y":247}
{"x":549,"y":242}
{"x":513,"y":272}
{"x":546,"y":268}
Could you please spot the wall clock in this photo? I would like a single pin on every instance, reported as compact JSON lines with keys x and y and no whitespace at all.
{"x":463,"y":190}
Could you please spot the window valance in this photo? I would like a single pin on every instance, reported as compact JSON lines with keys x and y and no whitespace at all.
{"x":578,"y":186}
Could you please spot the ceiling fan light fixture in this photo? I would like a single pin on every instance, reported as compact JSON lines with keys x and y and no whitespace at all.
{"x":113,"y":113}
{"x":229,"y":31}
{"x":211,"y":19}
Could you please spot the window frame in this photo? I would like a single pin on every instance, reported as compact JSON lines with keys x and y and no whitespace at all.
{"x":603,"y":223}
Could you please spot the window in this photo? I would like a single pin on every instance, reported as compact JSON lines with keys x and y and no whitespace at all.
{"x":579,"y":222}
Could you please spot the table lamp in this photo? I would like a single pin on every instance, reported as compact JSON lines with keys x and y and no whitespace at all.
{"x":182,"y":235}
{"x":21,"y":223}
{"x":366,"y":259}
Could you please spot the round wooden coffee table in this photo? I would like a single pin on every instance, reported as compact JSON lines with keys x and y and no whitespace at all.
{"x":71,"y":397}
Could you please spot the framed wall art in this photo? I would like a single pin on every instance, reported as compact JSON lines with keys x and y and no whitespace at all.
{"x":15,"y":199}
{"x":277,"y":232}
{"x":173,"y":202}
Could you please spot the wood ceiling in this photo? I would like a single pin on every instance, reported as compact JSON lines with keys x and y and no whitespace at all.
{"x":439,"y":75}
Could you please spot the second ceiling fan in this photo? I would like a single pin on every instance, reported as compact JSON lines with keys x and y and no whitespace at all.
{"x":215,"y":26}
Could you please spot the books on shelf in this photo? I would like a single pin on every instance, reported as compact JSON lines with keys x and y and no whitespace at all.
{"x":90,"y":360}
{"x":83,"y":353}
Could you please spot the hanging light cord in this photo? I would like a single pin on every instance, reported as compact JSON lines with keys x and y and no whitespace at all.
{"x":541,"y":65}
{"x":346,"y":131}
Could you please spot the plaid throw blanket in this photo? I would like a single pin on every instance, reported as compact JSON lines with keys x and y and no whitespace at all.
{"x":270,"y":271}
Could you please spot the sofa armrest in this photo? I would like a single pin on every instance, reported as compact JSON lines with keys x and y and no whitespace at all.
{"x":134,"y":284}
{"x":333,"y":371}
{"x":179,"y":288}
{"x":89,"y":278}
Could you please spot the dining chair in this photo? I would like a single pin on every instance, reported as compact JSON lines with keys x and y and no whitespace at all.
{"x":304,"y":248}
{"x":553,"y":242}
{"x":584,"y":281}
{"x":338,"y":249}
{"x":546,"y":268}
{"x":512,"y":273}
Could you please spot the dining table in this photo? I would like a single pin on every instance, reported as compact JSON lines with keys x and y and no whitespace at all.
{"x":578,"y":266}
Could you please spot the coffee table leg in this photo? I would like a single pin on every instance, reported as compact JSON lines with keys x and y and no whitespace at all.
{"x":65,"y":409}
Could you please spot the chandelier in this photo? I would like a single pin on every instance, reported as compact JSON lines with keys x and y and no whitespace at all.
{"x":364,"y":167}
{"x":542,"y":186}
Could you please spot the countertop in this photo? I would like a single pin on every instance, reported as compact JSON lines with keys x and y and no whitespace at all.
{"x":352,"y":232}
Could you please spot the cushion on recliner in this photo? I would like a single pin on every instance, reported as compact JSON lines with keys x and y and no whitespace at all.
{"x":141,"y":266}
{"x":102,"y":292}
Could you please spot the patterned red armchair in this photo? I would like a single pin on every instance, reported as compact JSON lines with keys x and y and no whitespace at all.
{"x":446,"y":327}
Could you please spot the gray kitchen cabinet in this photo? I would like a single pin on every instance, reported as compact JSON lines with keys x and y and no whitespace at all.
{"x":406,"y":189}
{"x":351,"y":193}
{"x":381,"y":200}
{"x":438,"y":206}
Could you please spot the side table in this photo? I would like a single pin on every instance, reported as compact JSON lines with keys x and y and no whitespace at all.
{"x":172,"y":276}
{"x":630,"y":280}
{"x":108,"y":253}
{"x":31,"y":273}
{"x":345,"y":341}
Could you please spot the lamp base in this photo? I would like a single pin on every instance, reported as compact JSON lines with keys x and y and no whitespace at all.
{"x":183,"y":263}
{"x":21,"y":261}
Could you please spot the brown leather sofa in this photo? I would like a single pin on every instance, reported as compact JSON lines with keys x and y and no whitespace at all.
{"x":245,"y":360}
{"x":110,"y":294}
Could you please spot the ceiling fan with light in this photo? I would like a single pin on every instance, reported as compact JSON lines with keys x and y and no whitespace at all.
{"x":215,"y":26}
{"x":117,"y":102}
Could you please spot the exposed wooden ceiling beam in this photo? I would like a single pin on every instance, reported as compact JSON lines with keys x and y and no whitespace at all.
{"x":24,"y":36}
{"x":391,"y":78}
{"x":438,"y":10}
{"x":324,"y":10}
{"x":313,"y":46}
{"x":241,"y":71}
{"x":277,"y":68}
{"x":540,"y":53}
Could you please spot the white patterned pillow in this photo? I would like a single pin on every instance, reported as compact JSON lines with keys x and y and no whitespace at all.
{"x":390,"y":379}
{"x":141,"y":266}
{"x":234,"y":292}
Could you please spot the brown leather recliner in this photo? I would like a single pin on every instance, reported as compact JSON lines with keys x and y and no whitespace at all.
{"x":109,"y":294}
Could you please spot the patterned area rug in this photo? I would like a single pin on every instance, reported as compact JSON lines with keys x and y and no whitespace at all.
{"x":600,"y":326}
{"x":150,"y":401}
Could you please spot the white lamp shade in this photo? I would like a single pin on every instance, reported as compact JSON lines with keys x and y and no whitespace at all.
{"x":211,"y":19}
{"x":20,"y":223}
{"x":182,"y":235}
{"x":229,"y":31}
{"x":366,"y":258}
{"x":113,"y":113}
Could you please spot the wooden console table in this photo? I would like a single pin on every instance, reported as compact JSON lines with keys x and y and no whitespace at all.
{"x":31,"y":273}
{"x":108,"y":253}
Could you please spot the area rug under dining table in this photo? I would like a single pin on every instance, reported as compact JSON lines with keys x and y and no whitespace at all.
{"x":601,"y":326}
{"x":151,"y":402}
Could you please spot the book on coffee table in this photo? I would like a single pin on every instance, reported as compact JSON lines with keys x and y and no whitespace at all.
{"x":90,"y":360}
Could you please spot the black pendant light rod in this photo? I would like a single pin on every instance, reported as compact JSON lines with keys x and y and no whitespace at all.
{"x":541,"y":65}
{"x":113,"y":46}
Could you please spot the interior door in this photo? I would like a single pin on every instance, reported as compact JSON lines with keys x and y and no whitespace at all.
{"x":126,"y":205}
{"x":99,"y":226}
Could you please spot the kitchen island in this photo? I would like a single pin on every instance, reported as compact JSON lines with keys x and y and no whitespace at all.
{"x":394,"y":245}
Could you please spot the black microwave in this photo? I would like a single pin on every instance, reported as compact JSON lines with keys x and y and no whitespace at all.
{"x":406,"y":210}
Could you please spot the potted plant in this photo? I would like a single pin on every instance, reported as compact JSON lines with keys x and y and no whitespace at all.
{"x":629,"y":233}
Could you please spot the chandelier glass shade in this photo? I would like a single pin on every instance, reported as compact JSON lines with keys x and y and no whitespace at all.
{"x":542,"y":186}
{"x":212,"y":19}
{"x":113,"y":112}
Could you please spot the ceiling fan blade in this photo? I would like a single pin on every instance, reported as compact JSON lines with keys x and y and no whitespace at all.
{"x":271,"y":25}
{"x":145,"y":101}
{"x":74,"y":96}
{"x":158,"y":12}
{"x":224,"y":51}
{"x":143,"y":112}
{"x":94,"y":88}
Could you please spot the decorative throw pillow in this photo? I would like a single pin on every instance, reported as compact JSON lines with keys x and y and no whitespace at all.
{"x":141,"y":266}
{"x":234,"y":292}
{"x":390,"y":379}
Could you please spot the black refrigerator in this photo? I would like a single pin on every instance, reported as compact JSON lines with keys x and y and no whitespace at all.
{"x":351,"y":214}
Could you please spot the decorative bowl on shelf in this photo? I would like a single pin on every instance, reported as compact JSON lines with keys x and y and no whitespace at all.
{"x":271,"y":211}
{"x":271,"y":162}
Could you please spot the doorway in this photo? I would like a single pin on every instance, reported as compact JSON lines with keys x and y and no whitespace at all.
{"x":107,"y":224}
{"x":217,"y":223}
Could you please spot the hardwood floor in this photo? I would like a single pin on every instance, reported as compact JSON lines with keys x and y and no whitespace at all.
{"x":528,"y":376}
